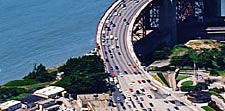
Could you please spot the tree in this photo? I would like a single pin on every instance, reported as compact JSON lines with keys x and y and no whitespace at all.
{"x":40,"y":74}
{"x":205,"y":60}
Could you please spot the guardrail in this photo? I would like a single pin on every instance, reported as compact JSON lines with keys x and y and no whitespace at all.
{"x":100,"y":27}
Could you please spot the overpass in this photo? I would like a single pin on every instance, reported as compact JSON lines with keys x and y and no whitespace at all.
{"x":114,"y":41}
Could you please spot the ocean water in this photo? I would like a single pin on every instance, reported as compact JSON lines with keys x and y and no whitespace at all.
{"x":45,"y":31}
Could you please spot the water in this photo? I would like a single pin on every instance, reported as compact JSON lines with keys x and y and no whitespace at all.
{"x":45,"y":31}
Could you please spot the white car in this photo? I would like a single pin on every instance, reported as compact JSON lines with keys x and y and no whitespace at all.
{"x":118,"y":98}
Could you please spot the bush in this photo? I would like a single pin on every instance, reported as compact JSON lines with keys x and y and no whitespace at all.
{"x":187,"y":83}
{"x":163,"y":79}
{"x":214,"y":73}
{"x":20,"y":82}
{"x":213,"y":105}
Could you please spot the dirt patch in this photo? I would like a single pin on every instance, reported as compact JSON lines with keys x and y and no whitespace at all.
{"x":203,"y":44}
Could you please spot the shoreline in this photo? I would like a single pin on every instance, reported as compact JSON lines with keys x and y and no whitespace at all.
{"x":53,"y":68}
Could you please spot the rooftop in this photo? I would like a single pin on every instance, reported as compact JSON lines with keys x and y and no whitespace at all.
{"x":9,"y":103}
{"x":49,"y":91}
{"x":91,"y":97}
{"x":101,"y":106}
{"x":222,"y":7}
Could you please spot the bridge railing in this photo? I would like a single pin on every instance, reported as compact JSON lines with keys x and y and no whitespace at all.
{"x":100,"y":27}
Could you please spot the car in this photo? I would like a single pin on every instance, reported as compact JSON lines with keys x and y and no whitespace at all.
{"x":144,"y":110}
{"x":114,"y":25}
{"x":139,"y":81}
{"x":124,"y":107}
{"x":125,"y":72}
{"x":124,"y":97}
{"x":111,"y":68}
{"x":117,"y":46}
{"x":118,"y":98}
{"x":116,"y":67}
{"x":131,"y":90}
{"x":119,"y":53}
{"x":143,"y":81}
{"x":139,"y":72}
{"x":109,"y":51}
{"x":142,"y":99}
{"x":149,"y":109}
{"x":151,"y":104}
{"x":165,"y":101}
{"x":124,"y":20}
{"x":176,"y":108}
{"x":106,"y":52}
{"x":168,"y":109}
{"x":138,"y":102}
{"x":111,"y":56}
{"x":129,"y":106}
{"x":149,"y":96}
{"x":135,"y":73}
{"x":134,"y":66}
{"x":106,"y":60}
{"x":148,"y":81}
{"x":138,"y":92}
{"x":121,"y":103}
{"x":141,"y":105}
{"x":142,"y":89}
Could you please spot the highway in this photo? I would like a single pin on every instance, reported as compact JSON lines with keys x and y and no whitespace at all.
{"x":134,"y":83}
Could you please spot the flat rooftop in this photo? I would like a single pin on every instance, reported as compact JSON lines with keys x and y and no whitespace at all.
{"x":223,"y":8}
{"x":92,"y":97}
{"x":49,"y":91}
{"x":102,"y":106}
{"x":9,"y":104}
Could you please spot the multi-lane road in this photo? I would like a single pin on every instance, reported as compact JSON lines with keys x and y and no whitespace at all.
{"x":133,"y":83}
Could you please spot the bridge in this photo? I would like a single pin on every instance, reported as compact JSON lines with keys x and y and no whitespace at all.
{"x":123,"y":25}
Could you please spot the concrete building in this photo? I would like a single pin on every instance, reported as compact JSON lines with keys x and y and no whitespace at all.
{"x":100,"y":106}
{"x":47,"y":105}
{"x":50,"y":92}
{"x":10,"y":105}
{"x":82,"y":100}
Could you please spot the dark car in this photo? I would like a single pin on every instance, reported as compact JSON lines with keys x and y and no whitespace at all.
{"x":143,"y":81}
{"x":141,"y":105}
{"x":125,"y":72}
{"x":176,"y":108}
{"x":116,"y":67}
{"x":138,"y":92}
{"x":151,"y":104}
{"x":148,"y":81}
{"x":149,"y":96}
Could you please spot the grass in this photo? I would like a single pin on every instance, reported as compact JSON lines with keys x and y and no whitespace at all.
{"x":181,"y":77}
{"x":207,"y":108}
{"x":178,"y":51}
{"x":19,"y":96}
{"x":157,"y":78}
{"x":187,"y":83}
{"x":160,"y":75}
{"x":222,"y":73}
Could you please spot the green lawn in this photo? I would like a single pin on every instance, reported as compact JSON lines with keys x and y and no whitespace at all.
{"x":178,"y":51}
{"x":181,"y":77}
{"x":207,"y":108}
{"x":187,"y":83}
{"x":19,"y":96}
{"x":221,"y":73}
{"x":160,"y":75}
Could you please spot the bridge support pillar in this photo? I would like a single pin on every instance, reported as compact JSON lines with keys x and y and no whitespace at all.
{"x":167,"y":21}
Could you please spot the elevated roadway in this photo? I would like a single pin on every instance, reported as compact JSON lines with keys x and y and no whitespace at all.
{"x":114,"y":43}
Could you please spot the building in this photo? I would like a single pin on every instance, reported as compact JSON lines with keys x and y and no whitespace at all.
{"x":50,"y":92}
{"x":47,"y":105}
{"x":198,"y":97}
{"x":100,"y":106}
{"x":86,"y":100}
{"x":10,"y":105}
{"x":223,"y":8}
{"x":31,"y":100}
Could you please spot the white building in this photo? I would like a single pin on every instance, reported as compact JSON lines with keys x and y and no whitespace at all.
{"x":10,"y":105}
{"x":50,"y":92}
